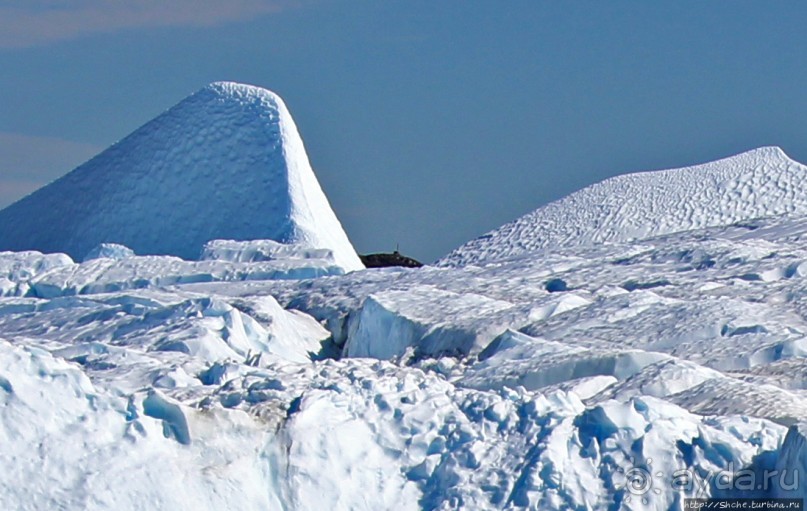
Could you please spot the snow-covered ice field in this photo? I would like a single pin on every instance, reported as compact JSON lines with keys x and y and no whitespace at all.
{"x":638,"y":343}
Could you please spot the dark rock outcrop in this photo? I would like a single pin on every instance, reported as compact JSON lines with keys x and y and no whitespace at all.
{"x":385,"y":260}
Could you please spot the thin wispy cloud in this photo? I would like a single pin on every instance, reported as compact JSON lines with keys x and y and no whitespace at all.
{"x":37,"y":22}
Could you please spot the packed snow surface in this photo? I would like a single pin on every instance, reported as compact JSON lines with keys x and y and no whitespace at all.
{"x":225,"y":163}
{"x":759,"y":183}
{"x":263,"y":377}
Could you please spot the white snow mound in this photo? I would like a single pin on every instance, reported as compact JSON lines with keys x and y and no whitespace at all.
{"x":760,"y":183}
{"x":225,"y":163}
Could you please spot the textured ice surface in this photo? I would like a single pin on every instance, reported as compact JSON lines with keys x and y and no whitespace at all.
{"x":759,"y":183}
{"x":109,"y":251}
{"x":17,"y":269}
{"x":544,"y":380}
{"x":261,"y":250}
{"x":107,"y":274}
{"x":225,"y":163}
{"x":426,"y":318}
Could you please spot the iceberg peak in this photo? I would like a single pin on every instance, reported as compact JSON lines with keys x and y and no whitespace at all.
{"x":227,"y":162}
{"x":759,"y":183}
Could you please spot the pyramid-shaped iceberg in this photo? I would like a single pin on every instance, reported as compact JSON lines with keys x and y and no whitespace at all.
{"x":225,"y":163}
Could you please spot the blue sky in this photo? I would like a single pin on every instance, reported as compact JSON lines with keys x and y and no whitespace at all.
{"x":428,"y":123}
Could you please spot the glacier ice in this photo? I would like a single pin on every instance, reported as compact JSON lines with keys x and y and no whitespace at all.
{"x":225,"y":163}
{"x":109,"y":251}
{"x":759,"y":183}
{"x":540,"y":368}
{"x":261,"y":250}
{"x":107,"y":274}
{"x":426,"y":318}
{"x":17,"y":269}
